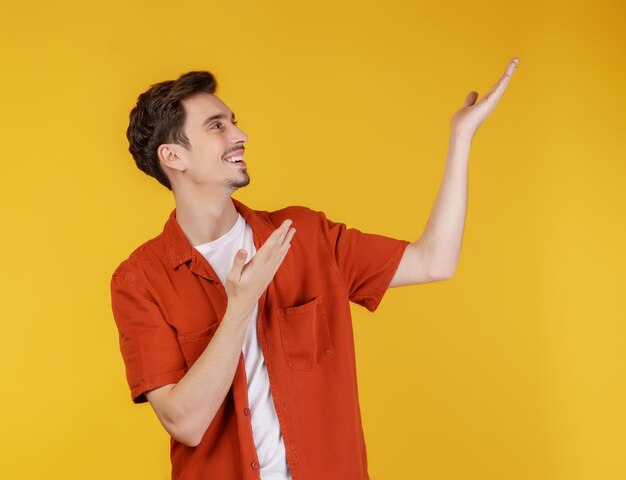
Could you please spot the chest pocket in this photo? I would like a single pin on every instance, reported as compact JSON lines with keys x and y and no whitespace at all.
{"x":193,"y":344}
{"x":305,"y":335}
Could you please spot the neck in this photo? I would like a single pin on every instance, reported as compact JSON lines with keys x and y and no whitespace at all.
{"x":204,"y":218}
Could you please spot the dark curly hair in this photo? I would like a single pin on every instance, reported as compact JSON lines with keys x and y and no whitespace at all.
{"x":159,"y":117}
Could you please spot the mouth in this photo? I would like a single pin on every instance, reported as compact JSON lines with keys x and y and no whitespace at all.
{"x":236,"y":159}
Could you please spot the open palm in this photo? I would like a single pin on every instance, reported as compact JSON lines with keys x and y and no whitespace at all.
{"x":466,"y":121}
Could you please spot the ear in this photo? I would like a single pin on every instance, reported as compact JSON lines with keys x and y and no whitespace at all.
{"x":172,"y":156}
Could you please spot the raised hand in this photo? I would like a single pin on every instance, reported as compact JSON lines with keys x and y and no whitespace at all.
{"x":245,"y":283}
{"x":466,"y":121}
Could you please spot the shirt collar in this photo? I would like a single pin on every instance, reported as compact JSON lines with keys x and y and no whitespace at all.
{"x":180,"y":251}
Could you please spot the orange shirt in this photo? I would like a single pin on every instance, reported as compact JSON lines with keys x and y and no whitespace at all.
{"x":167,"y":302}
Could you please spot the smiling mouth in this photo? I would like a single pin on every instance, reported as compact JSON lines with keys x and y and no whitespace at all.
{"x":235,"y":159}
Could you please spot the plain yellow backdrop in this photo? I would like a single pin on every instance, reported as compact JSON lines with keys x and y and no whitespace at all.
{"x":513,"y":369}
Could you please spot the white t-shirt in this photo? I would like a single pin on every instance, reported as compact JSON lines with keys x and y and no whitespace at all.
{"x":268,"y":438}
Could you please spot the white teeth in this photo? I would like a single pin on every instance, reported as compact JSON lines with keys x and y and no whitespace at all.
{"x":235,"y":159}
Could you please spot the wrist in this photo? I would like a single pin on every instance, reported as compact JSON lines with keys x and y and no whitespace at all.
{"x":238,"y":310}
{"x":461,"y":138}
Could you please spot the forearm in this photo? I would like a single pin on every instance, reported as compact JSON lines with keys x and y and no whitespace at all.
{"x":443,"y":234}
{"x":192,"y":403}
{"x":187,"y":408}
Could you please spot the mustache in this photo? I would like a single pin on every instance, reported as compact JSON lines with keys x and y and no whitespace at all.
{"x":234,"y":149}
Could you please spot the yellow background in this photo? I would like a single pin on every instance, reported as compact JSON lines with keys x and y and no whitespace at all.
{"x":513,"y":369}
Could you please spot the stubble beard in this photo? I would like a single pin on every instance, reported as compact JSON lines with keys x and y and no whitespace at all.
{"x":234,"y":184}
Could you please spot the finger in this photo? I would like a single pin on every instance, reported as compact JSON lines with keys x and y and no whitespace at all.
{"x":284,"y":227}
{"x":238,"y":264}
{"x":273,"y":242}
{"x":498,"y":89}
{"x":281,"y":231}
{"x":277,"y":237}
{"x":279,"y":254}
{"x":289,"y":236}
{"x":511,"y":68}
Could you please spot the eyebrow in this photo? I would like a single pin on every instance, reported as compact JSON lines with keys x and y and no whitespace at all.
{"x":216,"y":117}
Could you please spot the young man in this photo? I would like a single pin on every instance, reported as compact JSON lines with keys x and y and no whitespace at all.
{"x":235,"y":323}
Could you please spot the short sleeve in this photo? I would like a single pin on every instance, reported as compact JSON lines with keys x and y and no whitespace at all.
{"x":149,"y":347}
{"x":366,"y":261}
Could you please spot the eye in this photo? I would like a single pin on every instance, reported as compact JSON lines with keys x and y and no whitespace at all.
{"x":217,"y":124}
{"x":235,"y":122}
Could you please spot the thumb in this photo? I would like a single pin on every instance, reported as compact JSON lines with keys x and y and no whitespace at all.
{"x":238,"y":263}
{"x":470,"y":99}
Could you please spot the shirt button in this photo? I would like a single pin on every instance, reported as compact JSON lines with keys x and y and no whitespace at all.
{"x":246,"y":411}
{"x":254,"y":465}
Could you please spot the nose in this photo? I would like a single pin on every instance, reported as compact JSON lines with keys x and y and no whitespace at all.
{"x":239,"y":136}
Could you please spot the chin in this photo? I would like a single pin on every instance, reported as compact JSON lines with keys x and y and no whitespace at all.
{"x":239,"y":183}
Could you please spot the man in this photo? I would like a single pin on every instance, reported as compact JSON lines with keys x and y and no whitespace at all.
{"x":235,"y":323}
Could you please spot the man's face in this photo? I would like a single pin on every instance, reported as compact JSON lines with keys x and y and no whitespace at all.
{"x":215,"y":139}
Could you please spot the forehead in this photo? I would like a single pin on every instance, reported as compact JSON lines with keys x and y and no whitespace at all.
{"x":201,"y":106}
